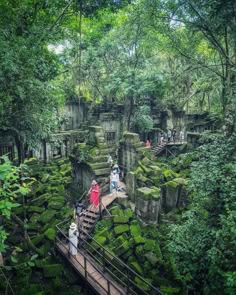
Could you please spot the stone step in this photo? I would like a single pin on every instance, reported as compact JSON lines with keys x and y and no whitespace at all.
{"x":99,"y":159}
{"x":101,"y":165}
{"x":105,"y":151}
{"x":103,"y":171}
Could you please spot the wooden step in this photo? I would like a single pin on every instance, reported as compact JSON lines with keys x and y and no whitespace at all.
{"x":88,"y":220}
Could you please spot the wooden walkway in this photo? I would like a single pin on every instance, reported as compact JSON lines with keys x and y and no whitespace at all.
{"x":83,"y":264}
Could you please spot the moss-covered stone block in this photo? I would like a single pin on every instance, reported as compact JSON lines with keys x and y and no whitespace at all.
{"x":121,"y":229}
{"x":50,"y":234}
{"x":149,"y":245}
{"x":121,"y":219}
{"x":101,"y":240}
{"x":169,"y":174}
{"x":53,"y":270}
{"x":136,"y":267}
{"x":151,"y":257}
{"x":135,"y":229}
{"x":127,"y":254}
{"x":146,"y":161}
{"x":138,"y":171}
{"x":139,"y":240}
{"x":129,"y":213}
{"x":131,"y":137}
{"x":144,"y":193}
{"x":124,"y":247}
{"x":142,"y":285}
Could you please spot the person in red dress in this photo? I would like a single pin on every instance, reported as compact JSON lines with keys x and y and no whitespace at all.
{"x":94,"y":194}
{"x":148,"y":143}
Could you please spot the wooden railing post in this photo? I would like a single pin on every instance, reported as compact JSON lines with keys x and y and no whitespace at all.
{"x":108,"y":288}
{"x":103,"y":260}
{"x":100,"y":206}
{"x":128,"y":283}
{"x":85,"y":267}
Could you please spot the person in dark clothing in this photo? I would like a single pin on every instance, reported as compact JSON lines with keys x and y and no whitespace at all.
{"x":174,"y":134}
{"x":78,"y":209}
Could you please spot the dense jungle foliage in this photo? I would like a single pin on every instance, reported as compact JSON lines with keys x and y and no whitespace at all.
{"x":142,"y":54}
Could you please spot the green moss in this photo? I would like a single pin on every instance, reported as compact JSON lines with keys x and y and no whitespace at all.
{"x":144,"y":193}
{"x":128,"y":212}
{"x":171,"y":184}
{"x":169,"y":290}
{"x":138,"y":171}
{"x":169,"y":174}
{"x":139,"y":240}
{"x":149,"y":245}
{"x":121,"y":219}
{"x":151,"y":257}
{"x":136,"y":267}
{"x":121,"y":229}
{"x":50,"y":234}
{"x":142,"y":285}
{"x":135,"y":229}
{"x":146,"y":162}
{"x":53,"y":270}
{"x":124,"y":247}
{"x":180,"y":181}
{"x":101,"y":240}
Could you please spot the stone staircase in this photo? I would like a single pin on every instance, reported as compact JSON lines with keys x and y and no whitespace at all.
{"x":99,"y":164}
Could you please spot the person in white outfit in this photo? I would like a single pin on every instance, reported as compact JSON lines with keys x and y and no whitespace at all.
{"x":181,"y":136}
{"x":114,"y":180}
{"x":73,"y":238}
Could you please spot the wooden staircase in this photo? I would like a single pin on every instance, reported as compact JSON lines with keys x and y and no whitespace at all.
{"x":87,"y":222}
{"x":157,"y":149}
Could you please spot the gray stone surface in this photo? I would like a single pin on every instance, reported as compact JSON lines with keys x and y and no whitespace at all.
{"x":131,"y":186}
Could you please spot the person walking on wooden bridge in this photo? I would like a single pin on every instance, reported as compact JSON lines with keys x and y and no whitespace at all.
{"x":73,"y":238}
{"x":94,"y":194}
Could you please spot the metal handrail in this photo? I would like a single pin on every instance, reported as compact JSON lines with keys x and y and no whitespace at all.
{"x":85,"y":263}
{"x":130,"y":271}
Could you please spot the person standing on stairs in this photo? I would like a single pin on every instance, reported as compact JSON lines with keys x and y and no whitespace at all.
{"x":73,"y":238}
{"x":148,"y":143}
{"x":174,"y":134}
{"x":78,"y":209}
{"x":94,"y":194}
{"x":114,"y":180}
{"x":168,"y":135}
{"x":110,"y":160}
{"x":162,"y":138}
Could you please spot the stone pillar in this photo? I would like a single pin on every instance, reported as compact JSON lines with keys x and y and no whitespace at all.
{"x":148,"y":204}
{"x":131,"y":186}
{"x":96,"y":136}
